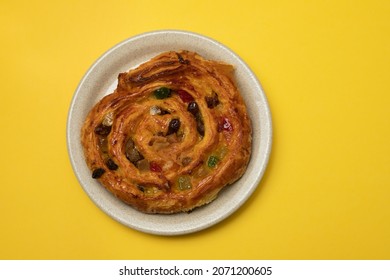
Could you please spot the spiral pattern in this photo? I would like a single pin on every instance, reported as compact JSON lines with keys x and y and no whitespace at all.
{"x":171,"y":136}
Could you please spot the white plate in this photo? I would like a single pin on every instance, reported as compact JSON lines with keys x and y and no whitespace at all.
{"x":101,"y":79}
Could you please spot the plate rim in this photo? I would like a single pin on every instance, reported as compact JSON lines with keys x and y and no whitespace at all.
{"x":267,"y":144}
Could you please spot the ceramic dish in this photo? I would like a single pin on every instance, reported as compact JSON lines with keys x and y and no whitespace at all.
{"x":101,"y":79}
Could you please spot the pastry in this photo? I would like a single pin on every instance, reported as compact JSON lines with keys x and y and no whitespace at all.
{"x":173,"y":133}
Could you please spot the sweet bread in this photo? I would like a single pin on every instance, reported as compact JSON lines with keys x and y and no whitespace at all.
{"x":173,"y":133}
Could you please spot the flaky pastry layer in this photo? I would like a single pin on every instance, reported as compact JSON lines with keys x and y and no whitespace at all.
{"x":173,"y":133}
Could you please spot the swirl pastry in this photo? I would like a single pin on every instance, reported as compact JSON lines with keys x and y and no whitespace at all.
{"x":173,"y":133}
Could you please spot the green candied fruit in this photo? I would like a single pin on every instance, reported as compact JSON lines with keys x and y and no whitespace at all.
{"x":184,"y":183}
{"x":212,"y":162}
{"x":162,"y":93}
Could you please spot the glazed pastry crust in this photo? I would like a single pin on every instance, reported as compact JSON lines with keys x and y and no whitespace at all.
{"x":135,"y":147}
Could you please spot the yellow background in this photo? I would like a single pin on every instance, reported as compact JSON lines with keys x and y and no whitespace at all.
{"x":325,"y":68}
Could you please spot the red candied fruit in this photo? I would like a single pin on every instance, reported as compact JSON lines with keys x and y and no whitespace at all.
{"x":225,"y":124}
{"x":155,"y":167}
{"x":185,"y":96}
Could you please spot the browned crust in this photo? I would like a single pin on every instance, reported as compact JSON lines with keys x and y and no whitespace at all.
{"x":130,"y":104}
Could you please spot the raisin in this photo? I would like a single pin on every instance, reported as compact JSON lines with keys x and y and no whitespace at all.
{"x":212,"y":101}
{"x":111,"y":164}
{"x":193,"y":108}
{"x":173,"y":126}
{"x":164,"y":112}
{"x":97,"y":173}
{"x":102,"y":130}
{"x":132,"y":154}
